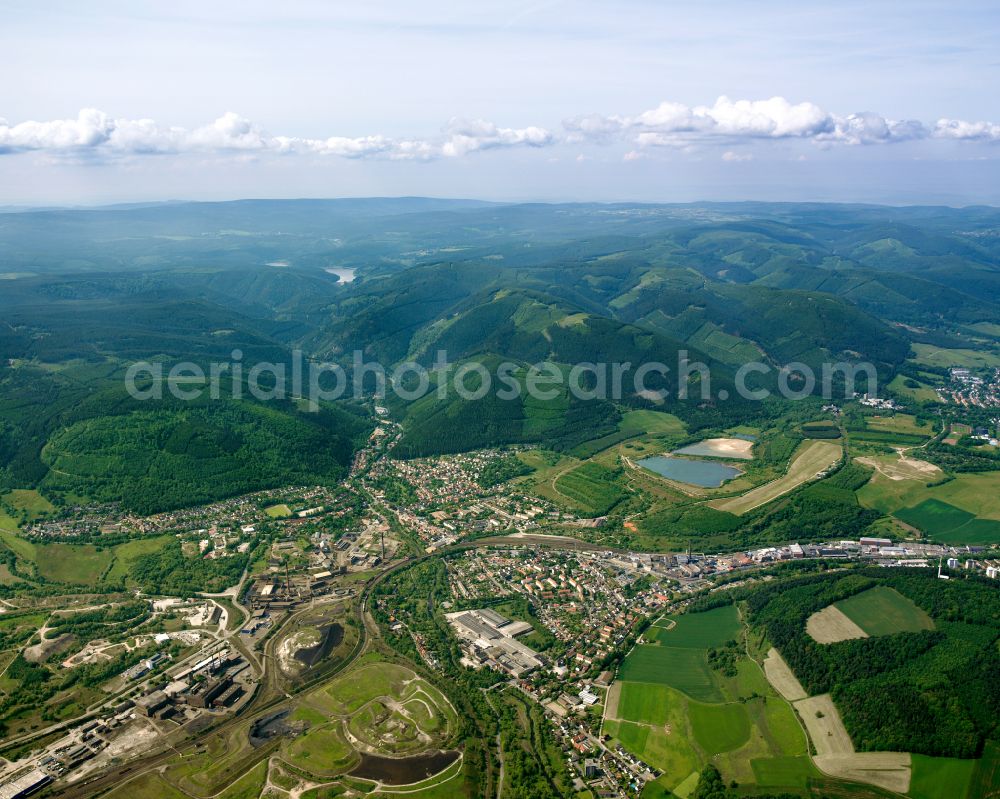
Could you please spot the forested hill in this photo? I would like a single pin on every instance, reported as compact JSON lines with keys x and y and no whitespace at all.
{"x":86,"y":292}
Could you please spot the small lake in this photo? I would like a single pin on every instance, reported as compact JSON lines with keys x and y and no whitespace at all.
{"x":706,"y":474}
{"x":403,"y":770}
{"x":345,"y":274}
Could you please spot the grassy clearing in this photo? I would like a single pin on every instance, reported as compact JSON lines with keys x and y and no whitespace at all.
{"x":904,"y":423}
{"x":811,"y":458}
{"x":883,"y":611}
{"x":278,"y":511}
{"x":80,"y":564}
{"x":125,"y":554}
{"x":936,"y":356}
{"x":322,"y":751}
{"x":29,"y":501}
{"x":924,"y":392}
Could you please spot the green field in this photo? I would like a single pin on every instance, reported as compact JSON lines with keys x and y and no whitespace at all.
{"x":934,"y":516}
{"x":644,"y":703}
{"x":665,"y":743}
{"x":986,"y":775}
{"x":941,"y":778}
{"x":950,"y":524}
{"x":789,"y":773}
{"x":712,"y":628}
{"x":278,"y":511}
{"x":686,"y":670}
{"x":883,"y":611}
{"x":83,"y":564}
{"x":719,"y":728}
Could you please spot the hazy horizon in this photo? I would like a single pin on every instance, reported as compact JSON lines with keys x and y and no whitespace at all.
{"x":540,"y":101}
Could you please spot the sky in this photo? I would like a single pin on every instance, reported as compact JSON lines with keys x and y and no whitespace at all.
{"x":641,"y":100}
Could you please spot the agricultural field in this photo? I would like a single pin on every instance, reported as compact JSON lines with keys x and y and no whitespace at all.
{"x":812,"y":458}
{"x":877,"y":611}
{"x":713,"y":628}
{"x":963,"y":510}
{"x":884,"y":611}
{"x":831,"y":625}
{"x":940,"y":777}
{"x":677,"y":713}
{"x":687,"y":670}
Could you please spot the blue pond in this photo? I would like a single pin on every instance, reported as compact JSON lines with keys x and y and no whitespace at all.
{"x":707,"y":474}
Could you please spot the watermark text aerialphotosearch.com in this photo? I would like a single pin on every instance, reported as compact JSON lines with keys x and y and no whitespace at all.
{"x":317,"y":382}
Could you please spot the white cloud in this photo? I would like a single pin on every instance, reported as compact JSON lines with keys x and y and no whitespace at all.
{"x":734,"y":157}
{"x":729,"y":121}
{"x":94,"y":132}
{"x":967,"y":131}
{"x":726,"y":123}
